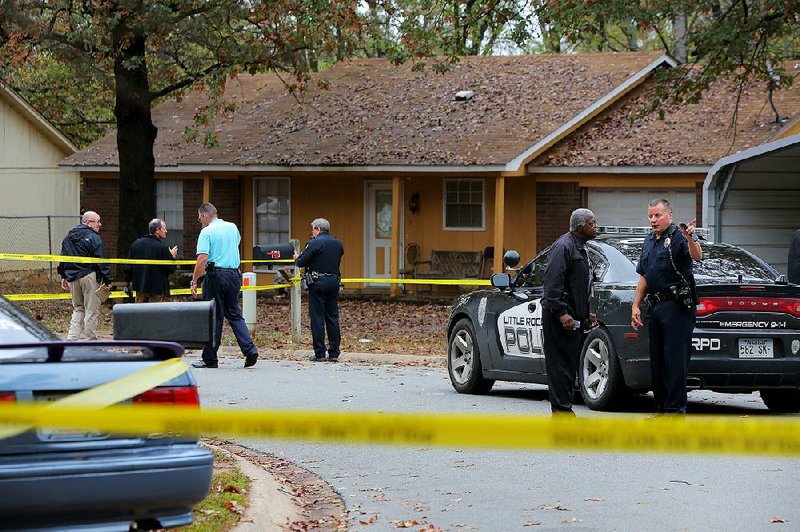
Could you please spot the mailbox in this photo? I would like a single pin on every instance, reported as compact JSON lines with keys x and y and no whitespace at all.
{"x":272,"y":252}
{"x":190,"y":324}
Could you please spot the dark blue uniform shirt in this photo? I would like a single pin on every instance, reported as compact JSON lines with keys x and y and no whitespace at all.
{"x":654,"y":262}
{"x":322,"y":255}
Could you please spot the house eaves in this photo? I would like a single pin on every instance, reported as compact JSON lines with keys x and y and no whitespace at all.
{"x":587,"y":114}
{"x":686,"y":169}
{"x":200,"y":169}
{"x":42,"y":124}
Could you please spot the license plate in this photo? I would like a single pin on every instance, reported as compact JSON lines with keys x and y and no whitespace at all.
{"x":46,"y":434}
{"x":755,"y":348}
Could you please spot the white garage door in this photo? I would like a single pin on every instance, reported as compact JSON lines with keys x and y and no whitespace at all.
{"x":629,"y":207}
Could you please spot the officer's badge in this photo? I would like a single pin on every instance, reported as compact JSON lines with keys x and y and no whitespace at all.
{"x":667,"y":242}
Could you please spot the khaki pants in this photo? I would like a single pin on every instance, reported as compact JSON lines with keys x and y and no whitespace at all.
{"x":85,"y":308}
{"x":141,"y":297}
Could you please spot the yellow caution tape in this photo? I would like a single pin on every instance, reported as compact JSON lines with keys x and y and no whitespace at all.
{"x":294,"y":280}
{"x":111,"y":392}
{"x":451,"y":282}
{"x":98,"y":260}
{"x":674,"y":434}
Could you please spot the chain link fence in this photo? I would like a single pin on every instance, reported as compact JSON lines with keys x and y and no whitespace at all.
{"x":34,"y":234}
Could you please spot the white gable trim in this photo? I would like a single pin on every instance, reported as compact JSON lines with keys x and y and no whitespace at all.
{"x":588,"y":113}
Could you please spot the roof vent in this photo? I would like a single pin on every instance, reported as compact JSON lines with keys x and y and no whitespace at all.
{"x":463,"y":96}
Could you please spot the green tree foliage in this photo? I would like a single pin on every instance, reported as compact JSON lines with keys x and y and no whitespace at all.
{"x":743,"y":40}
{"x":145,"y":50}
{"x":80,"y":105}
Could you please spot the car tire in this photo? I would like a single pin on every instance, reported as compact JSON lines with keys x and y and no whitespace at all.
{"x":599,"y":374}
{"x":464,"y":360}
{"x":784,"y":401}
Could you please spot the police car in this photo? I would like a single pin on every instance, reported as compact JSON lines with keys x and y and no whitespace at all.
{"x":746,"y":339}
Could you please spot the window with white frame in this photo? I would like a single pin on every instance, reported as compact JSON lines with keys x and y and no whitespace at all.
{"x":169,"y":207}
{"x":463,"y":204}
{"x":272,"y":217}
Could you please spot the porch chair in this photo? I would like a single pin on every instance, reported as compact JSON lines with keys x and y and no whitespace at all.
{"x":410,"y":262}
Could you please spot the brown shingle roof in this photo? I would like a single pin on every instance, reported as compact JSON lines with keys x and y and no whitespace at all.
{"x":691,"y":134}
{"x":376,"y":113}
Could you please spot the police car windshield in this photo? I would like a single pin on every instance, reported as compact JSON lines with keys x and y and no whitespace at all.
{"x":720,"y":261}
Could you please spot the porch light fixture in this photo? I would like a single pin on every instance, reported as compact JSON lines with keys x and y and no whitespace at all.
{"x":413,"y":203}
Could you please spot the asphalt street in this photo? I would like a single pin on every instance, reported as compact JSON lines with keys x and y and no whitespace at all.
{"x":466,"y":489}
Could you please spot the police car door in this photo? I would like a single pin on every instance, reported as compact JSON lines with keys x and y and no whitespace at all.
{"x":519,"y":326}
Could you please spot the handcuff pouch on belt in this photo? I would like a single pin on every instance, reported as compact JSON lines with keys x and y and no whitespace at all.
{"x":308,"y":279}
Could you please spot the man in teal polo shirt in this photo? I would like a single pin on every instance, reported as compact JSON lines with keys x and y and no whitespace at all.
{"x":218,"y":258}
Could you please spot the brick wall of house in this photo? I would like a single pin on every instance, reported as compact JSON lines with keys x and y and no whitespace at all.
{"x":192,"y":199}
{"x":554,"y":203}
{"x":102,"y":196}
{"x":225,"y":197}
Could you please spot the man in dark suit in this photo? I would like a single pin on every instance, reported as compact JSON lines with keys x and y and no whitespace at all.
{"x":151,"y":281}
{"x":321,"y":259}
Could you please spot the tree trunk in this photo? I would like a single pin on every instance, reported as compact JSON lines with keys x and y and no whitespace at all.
{"x":136,"y":137}
{"x":679,"y":25}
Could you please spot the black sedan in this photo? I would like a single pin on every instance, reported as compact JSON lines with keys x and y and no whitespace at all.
{"x":85,"y":479}
{"x":747,"y":336}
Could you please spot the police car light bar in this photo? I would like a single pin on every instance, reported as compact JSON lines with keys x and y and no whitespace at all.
{"x":702,"y":232}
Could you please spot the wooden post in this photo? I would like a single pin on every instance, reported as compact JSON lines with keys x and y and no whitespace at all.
{"x":206,"y":189}
{"x":499,"y":222}
{"x":295,"y":307}
{"x":394,"y":261}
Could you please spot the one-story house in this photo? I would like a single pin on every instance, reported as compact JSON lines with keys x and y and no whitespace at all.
{"x":34,"y":187}
{"x":494,"y":153}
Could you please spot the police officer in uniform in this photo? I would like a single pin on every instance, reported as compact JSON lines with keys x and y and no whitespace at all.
{"x":665,"y":278}
{"x":321,"y":259}
{"x":567,"y":287}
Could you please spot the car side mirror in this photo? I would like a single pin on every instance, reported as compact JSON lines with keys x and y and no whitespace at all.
{"x":511,"y":258}
{"x":501,"y":280}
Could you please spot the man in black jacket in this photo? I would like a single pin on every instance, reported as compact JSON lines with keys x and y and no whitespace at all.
{"x":83,"y":279}
{"x":567,"y":287}
{"x":151,"y":281}
{"x":321,"y":259}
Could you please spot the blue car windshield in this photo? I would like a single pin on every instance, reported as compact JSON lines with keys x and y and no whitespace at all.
{"x":720,"y":261}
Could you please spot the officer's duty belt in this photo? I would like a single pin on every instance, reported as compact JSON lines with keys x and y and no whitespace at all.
{"x":659,"y":297}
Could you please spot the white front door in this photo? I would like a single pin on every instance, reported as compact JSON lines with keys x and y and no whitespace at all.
{"x":378,"y":224}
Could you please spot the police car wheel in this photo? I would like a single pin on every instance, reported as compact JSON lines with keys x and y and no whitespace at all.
{"x":464,"y":360}
{"x":599,"y":373}
{"x":787,"y":401}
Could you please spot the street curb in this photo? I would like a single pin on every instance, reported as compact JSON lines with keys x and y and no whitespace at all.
{"x":283,"y":495}
{"x":353,"y":358}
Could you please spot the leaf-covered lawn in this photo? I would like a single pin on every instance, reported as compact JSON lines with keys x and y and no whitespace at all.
{"x":368,"y":325}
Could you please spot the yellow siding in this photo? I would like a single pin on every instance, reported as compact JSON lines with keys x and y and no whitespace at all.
{"x":340,"y":200}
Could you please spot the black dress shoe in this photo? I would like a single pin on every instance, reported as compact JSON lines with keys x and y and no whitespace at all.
{"x":250,"y":360}
{"x":202,"y":364}
{"x":314,"y":358}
